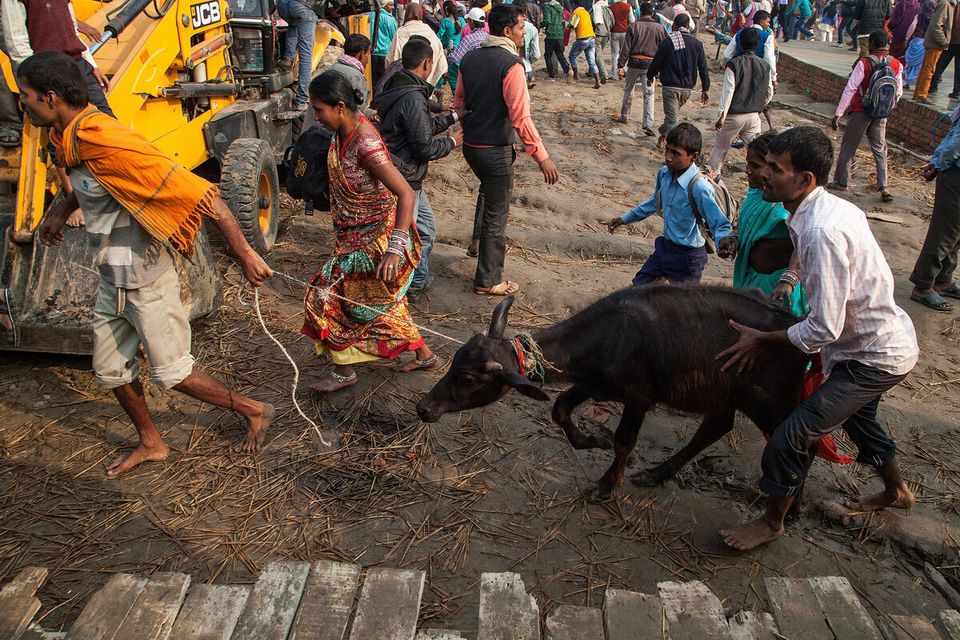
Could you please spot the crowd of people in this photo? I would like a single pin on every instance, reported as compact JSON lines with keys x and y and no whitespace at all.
{"x":793,"y":239}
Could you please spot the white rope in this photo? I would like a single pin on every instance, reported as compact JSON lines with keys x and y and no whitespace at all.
{"x":296,"y":370}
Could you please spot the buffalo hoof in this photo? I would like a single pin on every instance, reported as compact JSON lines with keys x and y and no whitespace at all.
{"x":647,"y":479}
{"x":599,"y":495}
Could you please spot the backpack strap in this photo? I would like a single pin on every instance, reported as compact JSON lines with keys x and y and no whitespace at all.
{"x":693,"y":201}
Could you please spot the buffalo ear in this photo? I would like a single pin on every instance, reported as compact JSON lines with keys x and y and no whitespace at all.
{"x":499,"y":321}
{"x":525,"y":386}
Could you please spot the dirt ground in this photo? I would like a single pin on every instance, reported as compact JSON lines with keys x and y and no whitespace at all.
{"x":497,"y":489}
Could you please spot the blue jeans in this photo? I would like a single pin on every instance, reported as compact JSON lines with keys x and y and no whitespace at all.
{"x":795,"y":24}
{"x":300,"y":36}
{"x":427,"y":228}
{"x":587,"y":46}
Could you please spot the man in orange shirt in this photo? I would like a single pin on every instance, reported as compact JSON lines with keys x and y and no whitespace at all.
{"x":492,"y":90}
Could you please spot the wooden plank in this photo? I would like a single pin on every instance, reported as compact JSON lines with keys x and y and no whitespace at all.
{"x":628,"y":615}
{"x":273,"y":603}
{"x":948,"y":621}
{"x":575,"y":623}
{"x":796,"y":609}
{"x":389,"y":605}
{"x":693,"y":612}
{"x":108,"y":608}
{"x":327,"y":602}
{"x":507,"y":612}
{"x":746,"y":625}
{"x":913,"y":628}
{"x":18,"y":603}
{"x":846,"y":616}
{"x":152,"y":615}
{"x":210,"y":612}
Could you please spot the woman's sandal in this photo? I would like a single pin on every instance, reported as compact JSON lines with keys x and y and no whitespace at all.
{"x":932,"y":300}
{"x":505,"y":288}
{"x":339,"y":382}
{"x":432,"y":362}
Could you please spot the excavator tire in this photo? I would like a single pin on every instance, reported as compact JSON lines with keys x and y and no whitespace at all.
{"x":250,"y":187}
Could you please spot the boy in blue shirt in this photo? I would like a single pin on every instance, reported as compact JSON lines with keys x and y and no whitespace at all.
{"x":680,"y":254}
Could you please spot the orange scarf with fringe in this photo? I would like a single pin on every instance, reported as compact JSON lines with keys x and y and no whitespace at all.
{"x":164,"y":197}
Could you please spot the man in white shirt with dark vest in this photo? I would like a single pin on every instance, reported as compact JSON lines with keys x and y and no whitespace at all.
{"x":747,"y":88}
{"x":867,"y":343}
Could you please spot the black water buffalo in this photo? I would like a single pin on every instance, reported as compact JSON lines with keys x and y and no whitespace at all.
{"x":641,"y":346}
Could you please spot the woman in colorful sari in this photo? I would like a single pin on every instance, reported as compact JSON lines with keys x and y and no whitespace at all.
{"x":913,"y":58}
{"x":765,"y":248}
{"x":377,"y":247}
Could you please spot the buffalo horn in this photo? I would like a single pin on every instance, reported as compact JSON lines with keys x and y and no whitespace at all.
{"x":499,"y":321}
{"x":492,"y":366}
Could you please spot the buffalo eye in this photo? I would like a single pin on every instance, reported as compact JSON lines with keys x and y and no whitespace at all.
{"x":466,"y":379}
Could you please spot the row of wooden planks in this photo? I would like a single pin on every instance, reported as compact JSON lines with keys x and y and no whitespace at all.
{"x":325,"y":601}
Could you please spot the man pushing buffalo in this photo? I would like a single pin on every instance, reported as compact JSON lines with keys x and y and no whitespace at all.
{"x":866,"y":342}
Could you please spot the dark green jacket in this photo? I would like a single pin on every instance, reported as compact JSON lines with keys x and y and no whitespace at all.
{"x":553,"y":20}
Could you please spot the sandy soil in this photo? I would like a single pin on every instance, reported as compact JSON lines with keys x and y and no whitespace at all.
{"x":489,"y":490}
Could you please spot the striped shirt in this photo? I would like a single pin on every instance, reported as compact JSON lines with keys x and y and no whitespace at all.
{"x":849,"y":289}
{"x":467,"y":44}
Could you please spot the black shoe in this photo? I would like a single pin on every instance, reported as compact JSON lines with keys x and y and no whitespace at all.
{"x":953,"y":95}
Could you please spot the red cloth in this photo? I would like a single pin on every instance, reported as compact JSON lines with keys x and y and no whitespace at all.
{"x":621,"y":16}
{"x":50,"y":27}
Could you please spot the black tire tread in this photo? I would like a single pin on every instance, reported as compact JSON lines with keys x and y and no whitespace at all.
{"x":239,"y":186}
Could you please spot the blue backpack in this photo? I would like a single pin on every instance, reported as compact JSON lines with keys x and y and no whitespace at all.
{"x":880,"y":96}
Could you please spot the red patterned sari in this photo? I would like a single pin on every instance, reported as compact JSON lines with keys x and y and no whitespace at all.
{"x":364,"y":213}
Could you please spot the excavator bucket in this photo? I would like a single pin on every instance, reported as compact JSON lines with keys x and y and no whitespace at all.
{"x":52,"y":291}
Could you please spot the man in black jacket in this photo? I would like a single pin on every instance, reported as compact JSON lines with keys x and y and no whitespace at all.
{"x":678,"y":60}
{"x":411,"y":133}
{"x":870,"y":15}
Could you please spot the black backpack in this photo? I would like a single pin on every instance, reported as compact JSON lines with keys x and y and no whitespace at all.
{"x":307,"y":175}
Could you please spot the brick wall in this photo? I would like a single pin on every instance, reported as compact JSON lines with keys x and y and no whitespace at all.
{"x":915,"y":125}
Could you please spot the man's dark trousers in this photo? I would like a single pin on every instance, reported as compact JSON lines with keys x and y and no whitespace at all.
{"x":493,"y":166}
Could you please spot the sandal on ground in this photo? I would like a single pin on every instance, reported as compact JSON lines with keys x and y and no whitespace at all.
{"x":932,"y":300}
{"x":836,"y":186}
{"x":10,"y":137}
{"x":886,"y":196}
{"x":505,"y":288}
{"x":432,"y":362}
{"x":340,"y":382}
{"x":953,"y":291}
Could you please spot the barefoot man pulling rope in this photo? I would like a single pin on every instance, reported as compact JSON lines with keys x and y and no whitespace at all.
{"x":140,"y":206}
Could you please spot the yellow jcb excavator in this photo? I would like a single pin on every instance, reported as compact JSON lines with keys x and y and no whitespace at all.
{"x":199,"y":78}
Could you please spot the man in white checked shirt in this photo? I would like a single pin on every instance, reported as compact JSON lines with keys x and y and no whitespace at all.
{"x":866,"y":342}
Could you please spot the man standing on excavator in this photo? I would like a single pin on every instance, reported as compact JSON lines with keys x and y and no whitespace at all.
{"x":140,"y":207}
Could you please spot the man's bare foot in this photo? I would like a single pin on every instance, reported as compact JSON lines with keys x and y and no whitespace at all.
{"x":901,"y":498}
{"x":751,"y":535}
{"x":334,"y":382}
{"x":141,"y":454}
{"x":75,"y":219}
{"x":257,"y":429}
